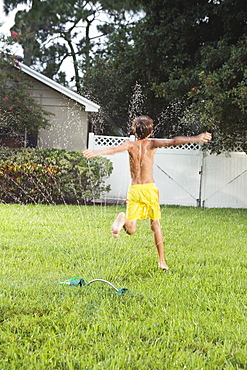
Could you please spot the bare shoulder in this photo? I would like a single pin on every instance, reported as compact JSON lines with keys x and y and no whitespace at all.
{"x":125,"y":145}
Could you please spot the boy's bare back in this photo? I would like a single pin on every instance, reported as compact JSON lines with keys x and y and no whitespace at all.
{"x":141,"y":157}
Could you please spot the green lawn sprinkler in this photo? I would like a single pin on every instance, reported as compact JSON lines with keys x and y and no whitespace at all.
{"x":77,"y":281}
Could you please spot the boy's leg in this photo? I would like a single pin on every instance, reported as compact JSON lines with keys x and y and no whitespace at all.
{"x":121,"y":222}
{"x":158,"y":240}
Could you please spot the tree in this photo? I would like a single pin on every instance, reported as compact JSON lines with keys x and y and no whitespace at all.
{"x":167,"y":50}
{"x":212,"y":47}
{"x":52,"y":32}
{"x":111,"y":79}
{"x":219,"y":101}
{"x":21,"y":116}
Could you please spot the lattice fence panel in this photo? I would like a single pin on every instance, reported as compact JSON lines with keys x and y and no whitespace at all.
{"x":117,"y":140}
{"x":109,"y":140}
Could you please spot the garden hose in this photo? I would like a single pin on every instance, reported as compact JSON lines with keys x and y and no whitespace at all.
{"x":77,"y":281}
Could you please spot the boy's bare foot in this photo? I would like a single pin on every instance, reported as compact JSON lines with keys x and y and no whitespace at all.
{"x":163,"y":266}
{"x":117,"y":225}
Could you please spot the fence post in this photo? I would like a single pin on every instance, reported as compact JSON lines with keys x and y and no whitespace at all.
{"x":91,"y":141}
{"x":201,"y":173}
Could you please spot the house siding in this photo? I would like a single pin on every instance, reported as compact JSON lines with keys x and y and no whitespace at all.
{"x":68,"y":124}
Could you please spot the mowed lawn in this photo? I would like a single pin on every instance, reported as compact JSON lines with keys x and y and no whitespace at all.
{"x":192,"y":317}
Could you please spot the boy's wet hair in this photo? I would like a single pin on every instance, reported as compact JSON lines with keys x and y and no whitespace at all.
{"x":142,"y":127}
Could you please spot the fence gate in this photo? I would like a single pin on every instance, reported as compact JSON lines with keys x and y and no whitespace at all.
{"x":225,"y":180}
{"x":177,"y":172}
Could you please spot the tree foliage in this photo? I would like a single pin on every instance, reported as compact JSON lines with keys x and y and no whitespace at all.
{"x":52,"y":32}
{"x":20,"y":113}
{"x":219,"y":101}
{"x":172,"y":49}
{"x":111,"y":79}
{"x":55,"y":30}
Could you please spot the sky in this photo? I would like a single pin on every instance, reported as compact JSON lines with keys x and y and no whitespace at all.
{"x":7,"y":22}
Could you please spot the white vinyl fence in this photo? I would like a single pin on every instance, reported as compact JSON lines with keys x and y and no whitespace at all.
{"x":185,"y":175}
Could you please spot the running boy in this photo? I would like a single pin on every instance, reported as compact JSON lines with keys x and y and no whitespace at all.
{"x":143,"y":196}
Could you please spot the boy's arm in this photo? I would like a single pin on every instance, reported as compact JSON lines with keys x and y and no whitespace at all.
{"x":110,"y":150}
{"x":179,"y":140}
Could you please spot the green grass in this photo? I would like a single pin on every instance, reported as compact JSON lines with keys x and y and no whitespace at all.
{"x":192,"y":317}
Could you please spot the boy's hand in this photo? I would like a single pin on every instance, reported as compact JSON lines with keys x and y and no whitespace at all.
{"x":204,"y":137}
{"x":88,"y":153}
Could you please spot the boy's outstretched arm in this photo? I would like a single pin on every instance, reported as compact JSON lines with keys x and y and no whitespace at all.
{"x":205,"y":137}
{"x":201,"y":138}
{"x":110,"y":150}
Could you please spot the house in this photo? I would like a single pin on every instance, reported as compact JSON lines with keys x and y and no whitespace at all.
{"x":69,"y":122}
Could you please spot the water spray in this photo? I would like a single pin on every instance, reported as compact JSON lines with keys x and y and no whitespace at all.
{"x":77,"y":281}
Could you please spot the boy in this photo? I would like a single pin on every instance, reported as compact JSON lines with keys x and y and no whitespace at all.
{"x":143,"y":196}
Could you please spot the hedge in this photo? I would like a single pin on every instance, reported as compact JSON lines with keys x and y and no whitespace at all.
{"x":51,"y":176}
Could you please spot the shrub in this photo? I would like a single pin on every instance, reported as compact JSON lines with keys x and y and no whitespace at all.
{"x":51,"y":176}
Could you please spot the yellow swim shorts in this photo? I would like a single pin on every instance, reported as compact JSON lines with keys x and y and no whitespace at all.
{"x":143,"y":202}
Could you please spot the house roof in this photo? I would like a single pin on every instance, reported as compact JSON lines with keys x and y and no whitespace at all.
{"x":89,"y":105}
